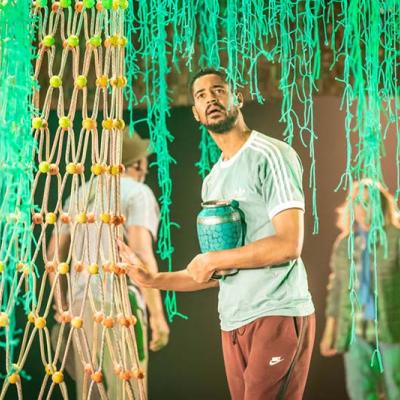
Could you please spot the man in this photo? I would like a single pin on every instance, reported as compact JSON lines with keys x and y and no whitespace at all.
{"x":266,"y":311}
{"x":364,"y":380}
{"x":141,"y":212}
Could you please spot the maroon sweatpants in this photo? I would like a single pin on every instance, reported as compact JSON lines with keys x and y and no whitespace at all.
{"x":269,"y":358}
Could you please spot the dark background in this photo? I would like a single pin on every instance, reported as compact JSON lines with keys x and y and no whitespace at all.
{"x":191,"y":367}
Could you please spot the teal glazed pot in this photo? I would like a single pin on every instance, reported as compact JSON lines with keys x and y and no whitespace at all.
{"x":220,"y":226}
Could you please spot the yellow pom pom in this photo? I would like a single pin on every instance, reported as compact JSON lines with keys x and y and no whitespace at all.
{"x":77,"y":322}
{"x":63,"y":268}
{"x":2,"y":267}
{"x":95,"y":41}
{"x":44,"y":167}
{"x":89,"y":123}
{"x":122,"y":41}
{"x":105,"y":217}
{"x":97,"y":169}
{"x":123,"y":4}
{"x":73,"y":41}
{"x":3,"y":319}
{"x":107,"y":124}
{"x":40,"y":322}
{"x":58,"y":377}
{"x":14,"y":378}
{"x":81,"y":218}
{"x":81,"y":81}
{"x":37,"y":122}
{"x":114,"y":170}
{"x":51,"y":218}
{"x":114,"y":40}
{"x":119,"y":124}
{"x":94,"y":269}
{"x":48,"y":41}
{"x":71,"y":168}
{"x":55,"y":81}
{"x":64,"y":122}
{"x":121,"y":81}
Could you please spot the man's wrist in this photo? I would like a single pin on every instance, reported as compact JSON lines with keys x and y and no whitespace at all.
{"x":161,"y":280}
{"x":209,"y":261}
{"x":216,"y":261}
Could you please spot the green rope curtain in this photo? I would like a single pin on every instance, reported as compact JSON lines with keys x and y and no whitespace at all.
{"x":239,"y":35}
{"x":16,"y":166}
{"x":365,"y":36}
{"x":232,"y":35}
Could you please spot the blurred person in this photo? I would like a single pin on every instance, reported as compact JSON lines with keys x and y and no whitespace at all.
{"x":363,"y":381}
{"x":141,"y":211}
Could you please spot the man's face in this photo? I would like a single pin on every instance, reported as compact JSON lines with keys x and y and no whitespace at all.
{"x":143,"y":169}
{"x":138,"y":170}
{"x":214,"y":103}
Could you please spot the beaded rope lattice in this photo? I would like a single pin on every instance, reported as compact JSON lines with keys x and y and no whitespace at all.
{"x":92,"y":215}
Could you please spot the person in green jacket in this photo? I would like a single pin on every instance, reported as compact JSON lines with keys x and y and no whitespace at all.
{"x":363,"y":380}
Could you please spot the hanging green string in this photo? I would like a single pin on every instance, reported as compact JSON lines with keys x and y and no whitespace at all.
{"x":209,"y":153}
{"x":154,"y":50}
{"x":16,"y":165}
{"x":369,"y":35}
{"x":209,"y":34}
{"x":299,"y":59}
{"x":288,"y":33}
{"x":252,"y":31}
{"x":131,"y":62}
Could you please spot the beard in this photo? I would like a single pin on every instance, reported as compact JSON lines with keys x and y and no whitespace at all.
{"x":224,"y":125}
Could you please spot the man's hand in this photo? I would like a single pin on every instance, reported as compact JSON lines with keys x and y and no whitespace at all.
{"x":159,"y":332}
{"x":200,"y":268}
{"x":327,"y":344}
{"x":137,"y":271}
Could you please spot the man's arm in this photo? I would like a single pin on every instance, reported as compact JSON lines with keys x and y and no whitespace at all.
{"x":285,"y":245}
{"x":140,"y":242}
{"x":179,"y":281}
{"x":327,"y":344}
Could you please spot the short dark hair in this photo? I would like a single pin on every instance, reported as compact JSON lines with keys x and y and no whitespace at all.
{"x":206,"y":71}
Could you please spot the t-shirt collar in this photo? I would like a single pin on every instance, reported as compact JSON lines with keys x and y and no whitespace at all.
{"x":228,"y":163}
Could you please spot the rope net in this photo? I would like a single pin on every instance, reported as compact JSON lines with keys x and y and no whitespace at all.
{"x":83,"y":276}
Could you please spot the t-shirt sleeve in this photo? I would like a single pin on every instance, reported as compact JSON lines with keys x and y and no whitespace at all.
{"x":204,"y":190}
{"x":281,"y":181}
{"x":141,"y":209}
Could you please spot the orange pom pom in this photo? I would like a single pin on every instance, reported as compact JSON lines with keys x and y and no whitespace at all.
{"x":97,"y":377}
{"x":79,"y":266}
{"x":108,"y":322}
{"x":98,"y":317}
{"x":37,"y":218}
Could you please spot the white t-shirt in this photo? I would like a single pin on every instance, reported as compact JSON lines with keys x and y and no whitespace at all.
{"x":265,"y":177}
{"x":94,"y":245}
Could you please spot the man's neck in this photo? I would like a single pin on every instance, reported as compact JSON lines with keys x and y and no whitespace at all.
{"x":230,"y":142}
